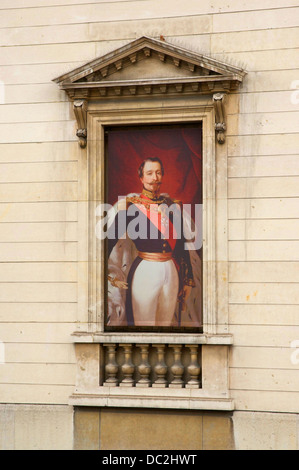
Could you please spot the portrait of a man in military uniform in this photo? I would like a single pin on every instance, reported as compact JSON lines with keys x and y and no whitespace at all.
{"x":153,"y":278}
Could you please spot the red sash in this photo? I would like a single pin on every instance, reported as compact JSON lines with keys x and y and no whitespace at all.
{"x":168,"y":232}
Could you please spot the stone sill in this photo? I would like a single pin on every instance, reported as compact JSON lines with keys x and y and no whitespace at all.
{"x":187,"y":399}
{"x":152,"y":338}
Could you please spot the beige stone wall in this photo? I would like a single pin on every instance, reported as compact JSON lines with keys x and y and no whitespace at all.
{"x":36,"y":427}
{"x":131,"y":429}
{"x":40,"y":160}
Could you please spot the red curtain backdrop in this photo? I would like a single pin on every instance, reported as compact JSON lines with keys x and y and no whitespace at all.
{"x":179,"y":148}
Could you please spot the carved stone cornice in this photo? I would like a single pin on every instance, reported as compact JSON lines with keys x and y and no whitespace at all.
{"x":172,"y":71}
{"x":153,"y":86}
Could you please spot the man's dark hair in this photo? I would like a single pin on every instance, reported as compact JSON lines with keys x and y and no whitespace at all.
{"x":150,"y":159}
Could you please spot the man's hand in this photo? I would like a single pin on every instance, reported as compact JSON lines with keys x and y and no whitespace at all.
{"x":117,"y":283}
{"x":120,"y":284}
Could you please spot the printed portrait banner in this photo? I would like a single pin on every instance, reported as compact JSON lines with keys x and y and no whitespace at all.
{"x":153,"y":228}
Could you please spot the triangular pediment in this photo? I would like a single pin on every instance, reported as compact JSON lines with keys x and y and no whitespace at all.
{"x":149,"y":66}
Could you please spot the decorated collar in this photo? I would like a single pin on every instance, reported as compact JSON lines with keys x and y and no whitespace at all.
{"x":152,"y":195}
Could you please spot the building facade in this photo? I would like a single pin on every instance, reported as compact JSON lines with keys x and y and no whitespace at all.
{"x":71,"y":70}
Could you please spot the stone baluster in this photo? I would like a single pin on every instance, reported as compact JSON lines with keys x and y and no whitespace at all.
{"x":193,"y":368}
{"x":160,"y":368}
{"x":144,"y":367}
{"x":111,"y":368}
{"x":128,"y":367}
{"x":177,"y":367}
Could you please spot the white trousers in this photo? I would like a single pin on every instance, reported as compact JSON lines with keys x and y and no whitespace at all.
{"x":155,"y":288}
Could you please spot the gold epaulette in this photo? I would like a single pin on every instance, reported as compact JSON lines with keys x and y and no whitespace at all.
{"x":178,"y":202}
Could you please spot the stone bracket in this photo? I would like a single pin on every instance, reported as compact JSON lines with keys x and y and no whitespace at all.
{"x":220,"y":125}
{"x":80,"y":110}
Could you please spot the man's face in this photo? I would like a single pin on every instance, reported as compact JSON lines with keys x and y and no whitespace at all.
{"x":152,"y":176}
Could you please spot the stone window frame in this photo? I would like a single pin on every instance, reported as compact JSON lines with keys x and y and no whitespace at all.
{"x":98,"y":105}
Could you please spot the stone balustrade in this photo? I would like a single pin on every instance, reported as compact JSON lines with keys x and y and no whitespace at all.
{"x":156,"y":365}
